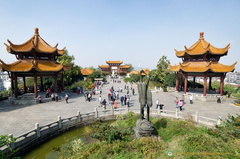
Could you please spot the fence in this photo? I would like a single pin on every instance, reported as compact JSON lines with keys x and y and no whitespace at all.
{"x":41,"y":134}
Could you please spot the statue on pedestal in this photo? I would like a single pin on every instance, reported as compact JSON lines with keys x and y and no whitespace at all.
{"x":144,"y":127}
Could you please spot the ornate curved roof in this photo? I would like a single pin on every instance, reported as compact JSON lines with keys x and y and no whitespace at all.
{"x":201,"y":47}
{"x":38,"y":65}
{"x":124,"y":66}
{"x":203,"y":67}
{"x":34,"y":43}
{"x":86,"y":71}
{"x":114,"y":62}
{"x":138,"y":72}
{"x":103,"y":66}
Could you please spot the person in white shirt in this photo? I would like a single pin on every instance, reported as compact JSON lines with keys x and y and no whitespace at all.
{"x":157,"y":103}
{"x":100,"y":101}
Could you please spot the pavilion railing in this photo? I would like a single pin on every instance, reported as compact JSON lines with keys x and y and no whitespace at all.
{"x":41,"y":134}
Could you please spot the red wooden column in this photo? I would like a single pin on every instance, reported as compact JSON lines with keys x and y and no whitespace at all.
{"x":185,"y":82}
{"x":41,"y":79}
{"x":180,"y":81}
{"x":55,"y":83}
{"x":12,"y":84}
{"x":221,"y":84}
{"x":15,"y":85}
{"x":176,"y":76}
{"x":35,"y":85}
{"x":62,"y":79}
{"x":194,"y":82}
{"x":205,"y":85}
{"x":210,"y":83}
{"x":24,"y":85}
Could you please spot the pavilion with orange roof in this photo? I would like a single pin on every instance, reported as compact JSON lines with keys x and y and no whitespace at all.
{"x":138,"y":72}
{"x":114,"y":67}
{"x":86,"y":71}
{"x":201,"y":60}
{"x":36,"y":58}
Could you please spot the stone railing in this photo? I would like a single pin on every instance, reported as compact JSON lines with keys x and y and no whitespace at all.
{"x":41,"y":134}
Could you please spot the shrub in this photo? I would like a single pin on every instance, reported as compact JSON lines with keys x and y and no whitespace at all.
{"x":204,"y":146}
{"x":229,"y":129}
{"x":161,"y":123}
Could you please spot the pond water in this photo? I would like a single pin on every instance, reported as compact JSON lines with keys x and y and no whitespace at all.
{"x":47,"y":150}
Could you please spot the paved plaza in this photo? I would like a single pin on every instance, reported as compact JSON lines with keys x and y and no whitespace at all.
{"x":17,"y":120}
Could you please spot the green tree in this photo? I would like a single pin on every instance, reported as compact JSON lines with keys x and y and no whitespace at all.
{"x":6,"y":140}
{"x":95,"y":74}
{"x":127,"y":79}
{"x":134,"y":78}
{"x":229,"y":88}
{"x":66,"y":59}
{"x":73,"y":75}
{"x":170,"y":80}
{"x":130,"y":68}
{"x":159,"y":74}
{"x":215,"y":85}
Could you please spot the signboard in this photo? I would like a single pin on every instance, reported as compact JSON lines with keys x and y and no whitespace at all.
{"x":114,"y":68}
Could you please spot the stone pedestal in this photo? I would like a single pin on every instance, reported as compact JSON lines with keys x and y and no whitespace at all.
{"x":144,"y":128}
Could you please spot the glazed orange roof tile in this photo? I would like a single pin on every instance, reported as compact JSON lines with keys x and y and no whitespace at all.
{"x":86,"y":71}
{"x":125,"y":66}
{"x":34,"y":43}
{"x":38,"y":65}
{"x":103,"y":66}
{"x":134,"y":72}
{"x":201,"y":47}
{"x":138,"y":72}
{"x":114,"y":62}
{"x":202,"y":67}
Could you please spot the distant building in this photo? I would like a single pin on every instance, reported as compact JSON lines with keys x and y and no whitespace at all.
{"x":5,"y":82}
{"x":114,"y":68}
{"x":233,"y":77}
{"x":85,"y":72}
{"x":138,"y":72}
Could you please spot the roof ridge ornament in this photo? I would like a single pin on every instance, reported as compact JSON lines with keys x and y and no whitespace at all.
{"x":201,"y":36}
{"x":34,"y":62}
{"x":36,"y":32}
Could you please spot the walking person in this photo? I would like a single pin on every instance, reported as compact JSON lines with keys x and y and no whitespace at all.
{"x":89,"y":97}
{"x":157,"y":103}
{"x":128,"y":102}
{"x":191,"y":99}
{"x":104,"y":103}
{"x":125,"y":100}
{"x":218,"y":99}
{"x":180,"y":104}
{"x":176,"y":102}
{"x":183,"y":98}
{"x":66,"y":98}
{"x":161,"y":106}
{"x":100,"y":101}
{"x":56,"y":97}
{"x":115,"y":104}
{"x":122,"y":100}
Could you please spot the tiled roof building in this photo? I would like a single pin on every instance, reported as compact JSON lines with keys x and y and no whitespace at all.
{"x":36,"y":58}
{"x":201,"y":60}
{"x":114,"y":67}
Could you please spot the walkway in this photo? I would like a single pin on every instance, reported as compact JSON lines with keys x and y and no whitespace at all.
{"x":20,"y":119}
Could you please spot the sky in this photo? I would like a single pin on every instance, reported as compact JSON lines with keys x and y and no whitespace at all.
{"x":137,"y":32}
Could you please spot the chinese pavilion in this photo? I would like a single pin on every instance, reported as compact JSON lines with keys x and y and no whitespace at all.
{"x":114,"y":67}
{"x":201,"y":60}
{"x":138,"y":72}
{"x":86,"y":71}
{"x":36,"y":58}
